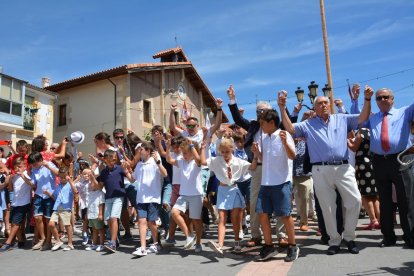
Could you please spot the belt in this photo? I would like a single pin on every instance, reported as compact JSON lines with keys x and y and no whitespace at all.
{"x":386,"y":156}
{"x":330,"y":163}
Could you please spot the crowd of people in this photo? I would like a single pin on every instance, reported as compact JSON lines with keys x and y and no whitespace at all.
{"x":331,"y":166}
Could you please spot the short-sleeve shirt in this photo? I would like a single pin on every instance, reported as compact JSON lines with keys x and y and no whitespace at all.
{"x":277,"y":167}
{"x":63,"y":197}
{"x":113,"y":181}
{"x":44,"y":180}
{"x":148,"y":176}
{"x":83,"y":188}
{"x":190,"y":178}
{"x":22,"y":191}
{"x":327,"y":141}
{"x":236,"y":166}
{"x":95,"y":198}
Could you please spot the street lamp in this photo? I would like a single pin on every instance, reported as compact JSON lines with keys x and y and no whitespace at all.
{"x":327,"y":91}
{"x":313,"y":92}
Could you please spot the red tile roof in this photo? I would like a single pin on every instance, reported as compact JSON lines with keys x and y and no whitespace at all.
{"x":169,"y":52}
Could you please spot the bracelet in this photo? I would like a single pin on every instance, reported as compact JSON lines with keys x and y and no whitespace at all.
{"x":158,"y":162}
{"x":368,"y":99}
{"x":219,"y":109}
{"x":191,"y":146}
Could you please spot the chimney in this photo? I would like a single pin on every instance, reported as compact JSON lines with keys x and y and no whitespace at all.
{"x":45,"y":82}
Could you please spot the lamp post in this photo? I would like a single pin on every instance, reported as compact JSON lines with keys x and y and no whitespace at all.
{"x":313,"y":92}
{"x":327,"y":91}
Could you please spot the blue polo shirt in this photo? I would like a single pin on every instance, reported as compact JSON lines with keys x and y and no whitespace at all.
{"x":113,"y":181}
{"x":327,"y":141}
{"x":44,"y":180}
{"x":399,"y":125}
{"x":63,"y":197}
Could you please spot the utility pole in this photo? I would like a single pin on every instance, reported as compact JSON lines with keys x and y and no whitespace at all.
{"x":327,"y":59}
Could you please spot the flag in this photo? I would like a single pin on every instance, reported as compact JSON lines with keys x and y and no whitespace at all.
{"x":208,"y":124}
{"x":184,"y":112}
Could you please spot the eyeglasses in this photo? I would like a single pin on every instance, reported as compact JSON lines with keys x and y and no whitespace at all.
{"x":119,"y":137}
{"x":384,"y":97}
{"x":260,"y":111}
{"x":191,"y":126}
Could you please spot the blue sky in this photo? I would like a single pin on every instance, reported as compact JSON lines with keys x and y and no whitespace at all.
{"x":258,"y":46}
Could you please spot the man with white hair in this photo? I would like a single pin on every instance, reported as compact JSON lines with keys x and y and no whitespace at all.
{"x":326,"y":138}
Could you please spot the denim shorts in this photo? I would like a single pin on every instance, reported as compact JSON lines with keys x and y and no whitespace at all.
{"x":113,"y":207}
{"x":244,"y":187}
{"x":42,"y":206}
{"x":18,"y":213}
{"x":166,"y":192}
{"x":275,"y":199}
{"x":148,"y":211}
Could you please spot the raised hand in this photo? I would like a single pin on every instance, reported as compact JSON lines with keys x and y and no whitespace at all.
{"x":255,"y":148}
{"x":231,"y":93}
{"x":219,"y":103}
{"x":356,"y":89}
{"x":297,"y":107}
{"x":368,"y":92}
{"x":281,"y":99}
{"x":283,"y":136}
{"x":174,"y":107}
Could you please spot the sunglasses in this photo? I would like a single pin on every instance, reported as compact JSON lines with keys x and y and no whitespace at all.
{"x":260,"y":111}
{"x":119,"y":137}
{"x":380,"y":98}
{"x":191,"y":126}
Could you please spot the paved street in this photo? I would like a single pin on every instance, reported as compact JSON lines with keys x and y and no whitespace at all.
{"x":372,"y":260}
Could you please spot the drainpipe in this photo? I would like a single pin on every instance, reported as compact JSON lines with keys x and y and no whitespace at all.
{"x":114,"y":101}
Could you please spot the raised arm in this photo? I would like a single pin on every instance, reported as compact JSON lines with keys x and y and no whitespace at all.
{"x":219,"y":116}
{"x":173,"y":125}
{"x":281,"y":101}
{"x":168,"y":156}
{"x":162,"y":169}
{"x":354,"y":101}
{"x":289,"y":149}
{"x":95,"y":185}
{"x":234,"y":110}
{"x":72,"y":184}
{"x":366,"y":110}
{"x":62,"y":149}
{"x":51,"y":167}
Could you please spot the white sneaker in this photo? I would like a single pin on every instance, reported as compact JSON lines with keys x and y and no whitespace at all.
{"x":140,"y":252}
{"x":190,"y":242}
{"x":241,"y":234}
{"x":154,"y":248}
{"x":57,"y":246}
{"x":100,"y":248}
{"x":216,"y":247}
{"x":91,"y":247}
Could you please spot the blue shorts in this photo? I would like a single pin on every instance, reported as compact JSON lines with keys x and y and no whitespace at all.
{"x":43,"y":206}
{"x":275,"y":199}
{"x":113,"y":207}
{"x":166,"y":192}
{"x":244,"y":187}
{"x":18,"y":213}
{"x":148,"y":211}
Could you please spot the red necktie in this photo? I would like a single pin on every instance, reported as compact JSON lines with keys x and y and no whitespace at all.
{"x":385,"y":139}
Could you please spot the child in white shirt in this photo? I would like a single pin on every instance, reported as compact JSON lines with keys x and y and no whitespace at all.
{"x":228,"y":169}
{"x":191,"y":191}
{"x":148,"y":174}
{"x":95,"y":213}
{"x":83,"y":187}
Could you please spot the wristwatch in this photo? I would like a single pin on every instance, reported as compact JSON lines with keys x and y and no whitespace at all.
{"x":158,"y":162}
